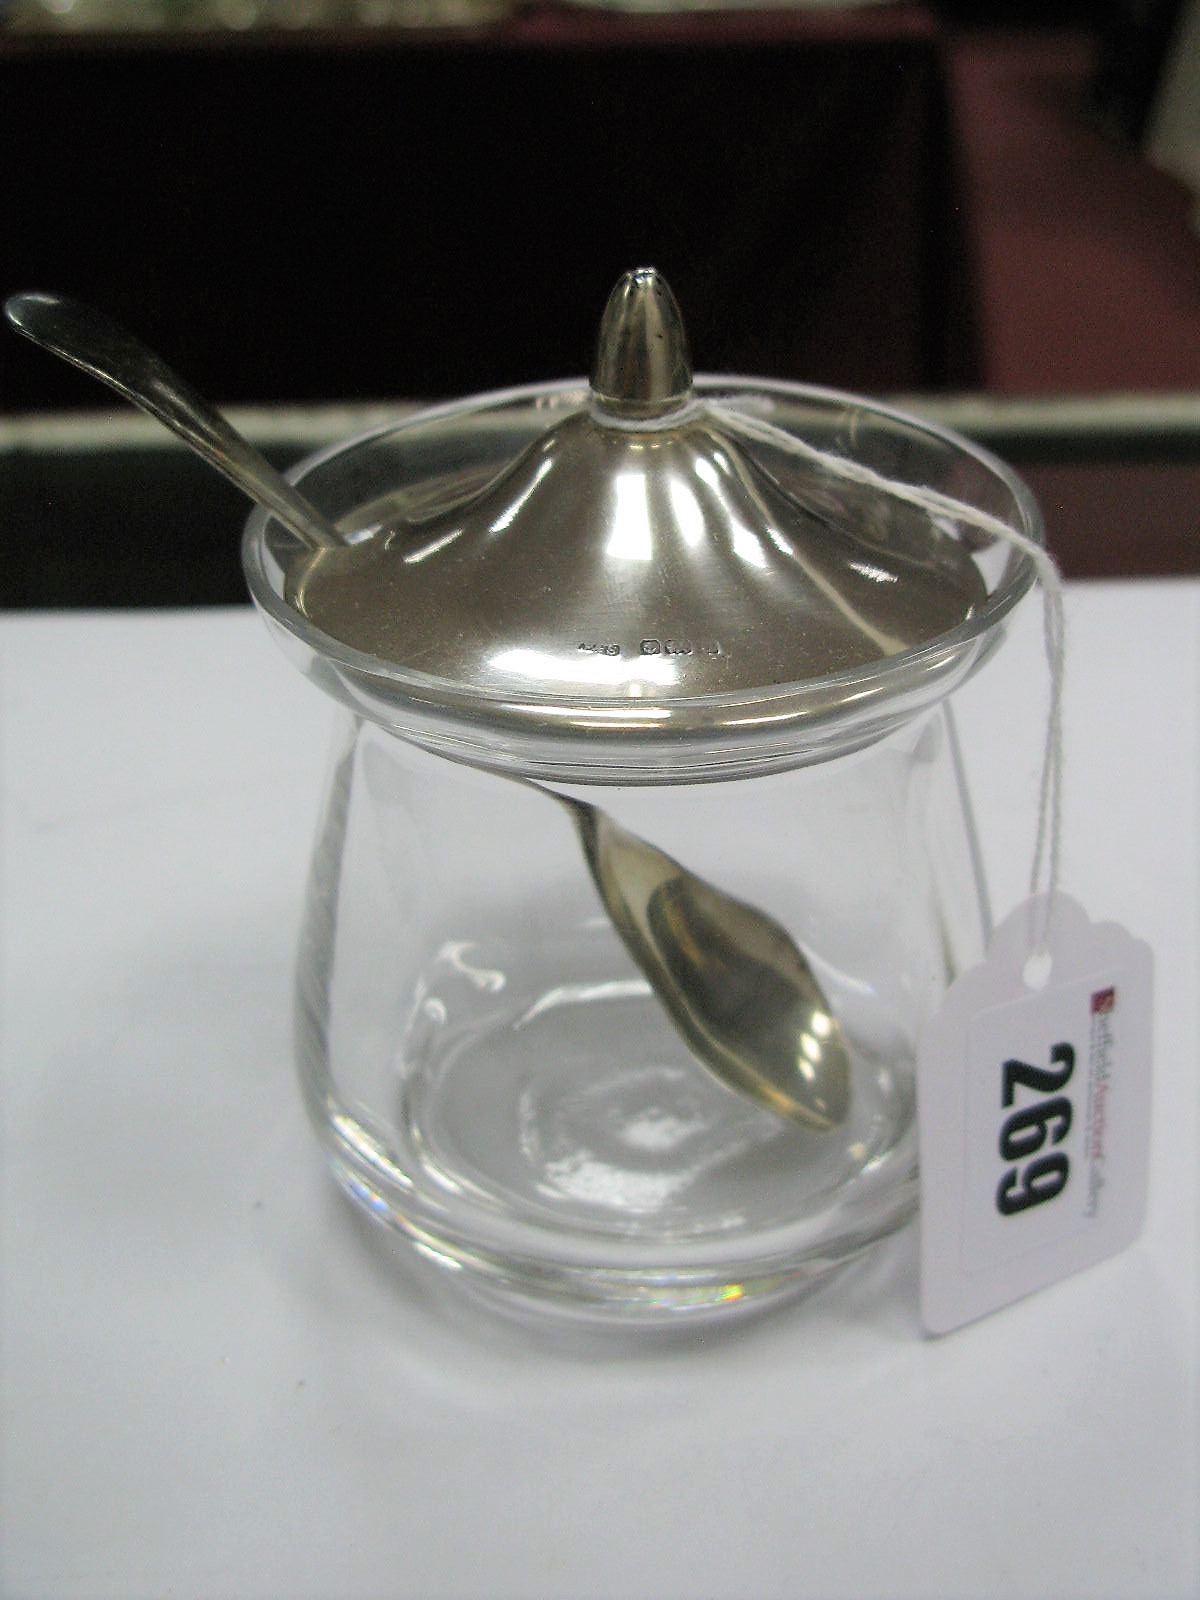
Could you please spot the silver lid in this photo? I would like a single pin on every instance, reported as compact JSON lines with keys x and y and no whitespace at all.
{"x":645,"y":535}
{"x":661,"y":560}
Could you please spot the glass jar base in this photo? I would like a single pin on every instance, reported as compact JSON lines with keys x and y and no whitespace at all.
{"x":622,"y":1185}
{"x":638,"y":1298}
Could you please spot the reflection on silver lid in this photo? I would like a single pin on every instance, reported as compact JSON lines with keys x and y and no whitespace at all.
{"x":649,"y":545}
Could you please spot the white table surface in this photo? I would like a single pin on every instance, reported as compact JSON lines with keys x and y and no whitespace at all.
{"x":218,"y":1382}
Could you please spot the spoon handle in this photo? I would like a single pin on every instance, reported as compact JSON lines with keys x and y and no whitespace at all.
{"x":90,"y":340}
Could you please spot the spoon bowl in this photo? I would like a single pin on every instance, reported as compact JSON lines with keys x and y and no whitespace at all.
{"x":729,"y":976}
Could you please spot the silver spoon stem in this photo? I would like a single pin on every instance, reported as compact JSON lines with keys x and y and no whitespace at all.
{"x":735,"y":985}
{"x":101,"y":347}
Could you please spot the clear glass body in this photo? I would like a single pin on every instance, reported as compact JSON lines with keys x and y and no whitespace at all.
{"x":489,"y":1067}
{"x":492,"y":1073}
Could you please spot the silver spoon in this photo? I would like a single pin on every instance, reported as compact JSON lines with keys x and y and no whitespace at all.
{"x":733,"y":982}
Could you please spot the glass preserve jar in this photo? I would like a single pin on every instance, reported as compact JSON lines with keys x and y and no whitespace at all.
{"x":646,"y":850}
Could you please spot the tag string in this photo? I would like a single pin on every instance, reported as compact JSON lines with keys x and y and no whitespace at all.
{"x":1047,"y":850}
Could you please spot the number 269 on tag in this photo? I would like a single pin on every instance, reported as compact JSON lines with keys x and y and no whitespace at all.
{"x":1026,"y":1131}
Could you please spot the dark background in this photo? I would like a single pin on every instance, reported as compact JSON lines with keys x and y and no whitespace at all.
{"x":350,"y":216}
{"x":902,"y":199}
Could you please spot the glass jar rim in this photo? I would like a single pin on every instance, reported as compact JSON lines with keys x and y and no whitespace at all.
{"x":664,"y":738}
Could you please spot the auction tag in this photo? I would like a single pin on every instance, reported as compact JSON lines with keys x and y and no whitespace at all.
{"x":1034,"y":1115}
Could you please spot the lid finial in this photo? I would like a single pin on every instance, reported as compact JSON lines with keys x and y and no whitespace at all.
{"x":642,"y":366}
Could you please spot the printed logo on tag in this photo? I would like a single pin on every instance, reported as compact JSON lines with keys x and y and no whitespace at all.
{"x":1034,"y":1116}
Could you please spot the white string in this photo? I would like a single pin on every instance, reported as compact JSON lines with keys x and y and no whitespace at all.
{"x":1047,"y":848}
